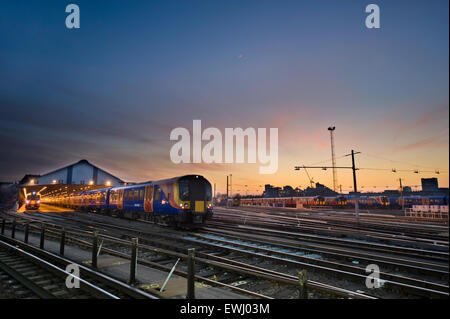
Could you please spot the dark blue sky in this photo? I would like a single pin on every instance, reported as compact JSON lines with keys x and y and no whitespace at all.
{"x":112,"y":90}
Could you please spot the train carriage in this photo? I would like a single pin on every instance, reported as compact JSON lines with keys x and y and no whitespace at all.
{"x":184,"y":200}
{"x":348,"y":201}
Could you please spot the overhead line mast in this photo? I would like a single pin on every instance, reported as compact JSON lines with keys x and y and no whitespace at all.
{"x":353,"y":168}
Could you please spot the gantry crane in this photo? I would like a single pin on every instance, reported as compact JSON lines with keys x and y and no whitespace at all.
{"x":311,"y":181}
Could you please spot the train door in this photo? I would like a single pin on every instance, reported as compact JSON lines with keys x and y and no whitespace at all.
{"x":148,"y":198}
{"x":120,"y":200}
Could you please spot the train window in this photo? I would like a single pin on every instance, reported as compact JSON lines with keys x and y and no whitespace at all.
{"x":183,"y":187}
{"x":208,"y":192}
{"x":136,"y":195}
{"x":158,"y":194}
{"x":141,"y":194}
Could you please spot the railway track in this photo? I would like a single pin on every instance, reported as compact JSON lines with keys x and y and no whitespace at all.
{"x":210,"y":250}
{"x":326,"y":224}
{"x":432,"y":253}
{"x":212,"y":270}
{"x":39,"y":274}
{"x":379,"y":223}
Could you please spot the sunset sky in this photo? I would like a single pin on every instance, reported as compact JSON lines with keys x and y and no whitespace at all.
{"x":112,"y":91}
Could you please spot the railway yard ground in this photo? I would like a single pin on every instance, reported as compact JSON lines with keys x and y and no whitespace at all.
{"x":243,"y":252}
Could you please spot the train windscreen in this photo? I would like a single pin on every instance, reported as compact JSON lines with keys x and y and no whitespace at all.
{"x":194,"y":188}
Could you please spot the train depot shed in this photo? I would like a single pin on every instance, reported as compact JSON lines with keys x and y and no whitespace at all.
{"x":81,"y":175}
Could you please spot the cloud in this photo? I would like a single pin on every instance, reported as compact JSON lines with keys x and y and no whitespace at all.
{"x":437,"y":141}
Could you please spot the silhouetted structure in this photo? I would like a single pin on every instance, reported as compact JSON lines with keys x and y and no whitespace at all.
{"x":319,"y":190}
{"x":271,"y":192}
{"x":430,"y":184}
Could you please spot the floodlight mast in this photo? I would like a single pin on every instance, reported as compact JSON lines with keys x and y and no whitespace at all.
{"x":333,"y":157}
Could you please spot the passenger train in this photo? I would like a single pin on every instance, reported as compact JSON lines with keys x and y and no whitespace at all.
{"x":180,"y":201}
{"x":32,"y":201}
{"x":347,"y":201}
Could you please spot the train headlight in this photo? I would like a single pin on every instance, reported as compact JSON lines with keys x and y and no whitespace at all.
{"x":38,"y":201}
{"x":163,"y":202}
{"x":27,"y":201}
{"x":186,"y":205}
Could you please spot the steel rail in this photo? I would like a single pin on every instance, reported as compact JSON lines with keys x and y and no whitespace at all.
{"x":87,"y":286}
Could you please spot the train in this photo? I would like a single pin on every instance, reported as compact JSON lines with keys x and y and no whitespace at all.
{"x":184,"y":201}
{"x":348,"y":201}
{"x":32,"y":201}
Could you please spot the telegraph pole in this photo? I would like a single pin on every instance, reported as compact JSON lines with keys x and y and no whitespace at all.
{"x":227,"y":190}
{"x":401,"y":194}
{"x":355,"y":187}
{"x":231,"y":186}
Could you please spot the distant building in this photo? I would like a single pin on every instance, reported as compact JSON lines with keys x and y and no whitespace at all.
{"x":430,"y":184}
{"x":79,"y":173}
{"x":29,"y":179}
{"x":390,"y":192}
{"x":319,"y":190}
{"x":287,"y":191}
{"x":407,"y":189}
{"x":271,"y":192}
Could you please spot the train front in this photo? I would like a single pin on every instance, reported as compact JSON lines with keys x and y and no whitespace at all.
{"x":194,"y":199}
{"x":33,"y":201}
